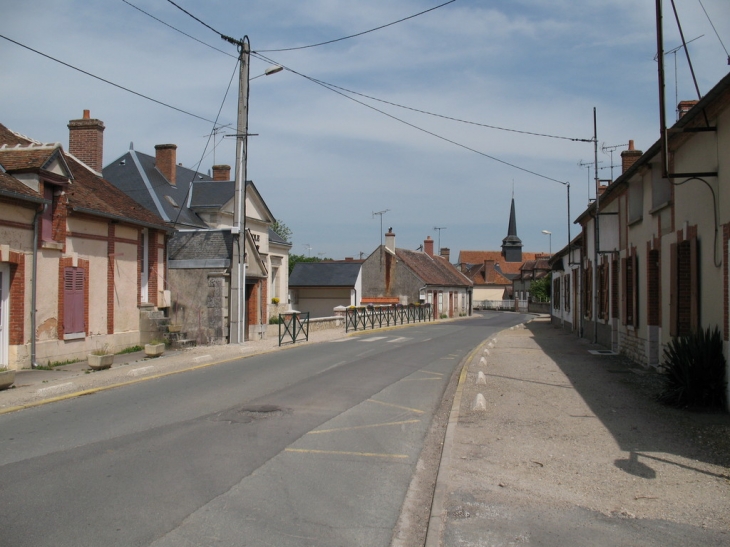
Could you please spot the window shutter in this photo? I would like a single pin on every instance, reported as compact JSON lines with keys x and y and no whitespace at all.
{"x":673,"y":290}
{"x":624,"y":293}
{"x":73,"y":300}
{"x":694,"y":269}
{"x":635,"y":291}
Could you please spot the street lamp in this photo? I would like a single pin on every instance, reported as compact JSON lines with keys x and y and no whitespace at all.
{"x":237,"y":314}
{"x":550,"y":240}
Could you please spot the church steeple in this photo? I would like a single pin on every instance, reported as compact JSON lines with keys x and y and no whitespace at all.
{"x":512,"y":245}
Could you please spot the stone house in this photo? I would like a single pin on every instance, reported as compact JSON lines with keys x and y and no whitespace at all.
{"x":200,"y":208}
{"x":399,"y":276}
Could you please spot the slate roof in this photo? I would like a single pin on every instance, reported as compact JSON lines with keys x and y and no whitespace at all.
{"x":87,"y":193}
{"x":201,"y":245}
{"x":433,"y":270}
{"x":209,"y":193}
{"x":136,"y":175}
{"x":276,"y":238}
{"x":325,"y":274}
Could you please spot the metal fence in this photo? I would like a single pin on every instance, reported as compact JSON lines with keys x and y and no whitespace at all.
{"x":495,"y":305}
{"x":372,"y":317}
{"x":293,"y":326}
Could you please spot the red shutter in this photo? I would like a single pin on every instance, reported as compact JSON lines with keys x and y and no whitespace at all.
{"x":73,"y":300}
{"x":694,"y":268}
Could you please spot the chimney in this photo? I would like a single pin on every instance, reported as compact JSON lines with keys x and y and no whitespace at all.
{"x":221,"y":172}
{"x":488,"y":265}
{"x":428,"y":246}
{"x":629,"y":157}
{"x":349,"y":259}
{"x":86,"y":141}
{"x":684,"y":106}
{"x":601,"y":188}
{"x":445,"y":253}
{"x":165,"y":157}
{"x":390,"y":240}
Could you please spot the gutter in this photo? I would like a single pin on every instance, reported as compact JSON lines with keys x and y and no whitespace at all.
{"x":34,"y":286}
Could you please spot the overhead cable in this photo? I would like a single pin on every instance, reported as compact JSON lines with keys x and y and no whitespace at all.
{"x":110,"y":82}
{"x":259,"y":56}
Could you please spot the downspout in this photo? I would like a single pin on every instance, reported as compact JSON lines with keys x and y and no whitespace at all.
{"x":33,"y":287}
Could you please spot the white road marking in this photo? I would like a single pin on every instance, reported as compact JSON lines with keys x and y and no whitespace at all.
{"x":141,"y":370}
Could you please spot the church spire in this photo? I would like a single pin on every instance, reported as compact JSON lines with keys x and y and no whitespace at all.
{"x":512,"y":245}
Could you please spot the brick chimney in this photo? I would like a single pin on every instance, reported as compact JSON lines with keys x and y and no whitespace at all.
{"x":86,"y":141}
{"x":488,"y":265}
{"x":221,"y":172}
{"x":165,"y":158}
{"x":445,"y":252}
{"x":428,"y":246}
{"x":390,"y":240}
{"x":629,"y":157}
{"x":685,"y":106}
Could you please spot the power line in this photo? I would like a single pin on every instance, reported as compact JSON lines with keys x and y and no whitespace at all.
{"x":233,"y":40}
{"x":259,"y":56}
{"x":452,"y":118}
{"x":110,"y":82}
{"x":178,"y":30}
{"x":716,"y":33}
{"x":210,"y":135}
{"x":574,"y":139}
{"x":359,"y":33}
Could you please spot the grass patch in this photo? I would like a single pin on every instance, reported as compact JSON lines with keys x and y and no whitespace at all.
{"x":130,"y":349}
{"x":53,"y":364}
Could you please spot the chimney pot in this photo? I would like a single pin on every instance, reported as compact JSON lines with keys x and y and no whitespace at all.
{"x":86,"y":141}
{"x":165,"y":160}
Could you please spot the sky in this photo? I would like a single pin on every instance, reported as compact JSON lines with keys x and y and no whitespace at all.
{"x":325,"y":163}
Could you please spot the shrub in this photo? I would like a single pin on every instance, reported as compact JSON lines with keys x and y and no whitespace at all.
{"x":274,"y":320}
{"x":275,"y":300}
{"x":695,"y":371}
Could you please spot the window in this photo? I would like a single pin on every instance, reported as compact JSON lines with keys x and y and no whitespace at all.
{"x":566,"y":292}
{"x":73,"y":301}
{"x":630,"y":268}
{"x":588,"y":290}
{"x":274,"y":282}
{"x":556,"y":293}
{"x":685,"y":288}
{"x":602,"y":287}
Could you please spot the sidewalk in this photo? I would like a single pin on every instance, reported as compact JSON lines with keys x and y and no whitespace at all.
{"x":34,"y":387}
{"x":569,"y":448}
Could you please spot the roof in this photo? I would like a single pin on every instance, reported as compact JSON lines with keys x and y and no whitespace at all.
{"x":432,"y":270}
{"x":276,"y":239}
{"x":210,"y":193}
{"x":695,"y":117}
{"x":499,"y":271}
{"x":325,"y":274}
{"x":137,"y":176}
{"x":201,"y":245}
{"x":87,"y":193}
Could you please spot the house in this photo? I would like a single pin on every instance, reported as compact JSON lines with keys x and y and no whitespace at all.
{"x":80,"y":262}
{"x":531,"y":270}
{"x":399,"y":276}
{"x":660,"y":268}
{"x":201,"y":209}
{"x":319,"y":287}
{"x":565,"y":294}
{"x":492,"y":272}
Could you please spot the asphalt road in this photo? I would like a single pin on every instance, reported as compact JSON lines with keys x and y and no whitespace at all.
{"x":312,"y":446}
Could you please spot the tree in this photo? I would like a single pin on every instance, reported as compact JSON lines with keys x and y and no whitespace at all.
{"x":540,"y":289}
{"x":282,"y":230}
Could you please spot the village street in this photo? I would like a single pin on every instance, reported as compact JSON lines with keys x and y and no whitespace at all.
{"x":311,"y":446}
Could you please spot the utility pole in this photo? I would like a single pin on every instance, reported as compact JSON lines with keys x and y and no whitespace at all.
{"x":237,"y":318}
{"x":596,"y":239}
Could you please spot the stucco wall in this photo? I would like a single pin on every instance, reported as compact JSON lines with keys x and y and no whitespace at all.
{"x":126,"y":312}
{"x":200,"y":304}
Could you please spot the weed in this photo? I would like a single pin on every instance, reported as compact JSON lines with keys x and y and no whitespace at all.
{"x":130,"y":349}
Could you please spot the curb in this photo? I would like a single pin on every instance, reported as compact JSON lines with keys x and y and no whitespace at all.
{"x":436,"y":520}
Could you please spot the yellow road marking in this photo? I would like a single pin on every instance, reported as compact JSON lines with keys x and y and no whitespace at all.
{"x":397,"y":406}
{"x":341,"y":453}
{"x":434,"y":373}
{"x":362,"y":427}
{"x":419,"y":379}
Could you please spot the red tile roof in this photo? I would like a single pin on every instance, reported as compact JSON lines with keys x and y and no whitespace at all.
{"x":433,"y":270}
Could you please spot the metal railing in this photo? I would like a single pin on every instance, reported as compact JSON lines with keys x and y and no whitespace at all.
{"x":378,"y":316}
{"x":294,"y":325}
{"x":495,"y":305}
